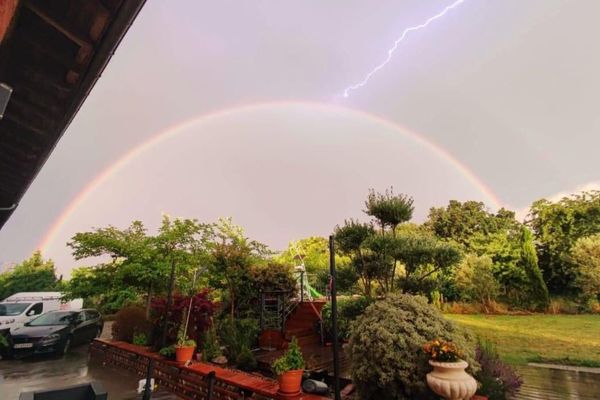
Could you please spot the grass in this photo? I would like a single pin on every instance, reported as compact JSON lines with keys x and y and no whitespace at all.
{"x":563,"y":339}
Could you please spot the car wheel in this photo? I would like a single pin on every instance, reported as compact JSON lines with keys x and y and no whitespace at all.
{"x":66,"y":346}
{"x":98,"y":332}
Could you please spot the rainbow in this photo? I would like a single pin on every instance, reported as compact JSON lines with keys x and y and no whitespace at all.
{"x":176,"y":129}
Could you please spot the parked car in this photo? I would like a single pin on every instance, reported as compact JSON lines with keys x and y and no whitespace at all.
{"x":56,"y":332}
{"x":23,"y":307}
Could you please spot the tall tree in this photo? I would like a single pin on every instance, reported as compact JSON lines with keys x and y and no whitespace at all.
{"x":142,"y":262}
{"x":483,"y":233}
{"x":557,"y":226}
{"x":585,"y":255}
{"x":350,"y":239}
{"x":389,"y":210}
{"x":538,"y":292}
{"x":32,"y":275}
{"x":233,"y":256}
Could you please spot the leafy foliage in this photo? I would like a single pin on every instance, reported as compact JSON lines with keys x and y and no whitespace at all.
{"x":498,"y":380}
{"x":385,"y":347}
{"x":482,"y":233}
{"x":350,"y":239}
{"x":211,"y":347}
{"x":348,"y":310}
{"x":475,"y":280}
{"x":140,"y":339}
{"x":140,"y":263}
{"x":536,"y":288}
{"x":168,"y":351}
{"x":201,"y":312}
{"x":388,"y":209}
{"x":291,"y":360}
{"x":102,"y":287}
{"x":233,"y":256}
{"x":239,"y":336}
{"x":585,"y":255}
{"x":557,"y":227}
{"x":32,"y":275}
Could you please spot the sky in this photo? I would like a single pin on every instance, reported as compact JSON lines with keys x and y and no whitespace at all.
{"x":229,"y":108}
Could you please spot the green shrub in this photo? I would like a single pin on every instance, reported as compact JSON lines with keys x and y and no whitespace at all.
{"x":348,"y":310}
{"x":168,"y":351}
{"x":246,"y":361}
{"x":140,"y":339}
{"x":291,"y":360}
{"x":386,"y":347}
{"x":129,"y":321}
{"x":238,"y":336}
{"x":497,"y":380}
{"x":211,"y":347}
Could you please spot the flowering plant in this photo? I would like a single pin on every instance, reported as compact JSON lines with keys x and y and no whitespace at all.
{"x":440,"y":350}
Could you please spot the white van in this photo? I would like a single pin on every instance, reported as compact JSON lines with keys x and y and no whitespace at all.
{"x":22,"y":307}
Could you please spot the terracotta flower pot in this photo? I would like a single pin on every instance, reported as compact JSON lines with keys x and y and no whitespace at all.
{"x":450,"y":381}
{"x":184,"y":353}
{"x":289,"y":383}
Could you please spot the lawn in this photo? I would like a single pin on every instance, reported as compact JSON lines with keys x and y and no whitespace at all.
{"x":565,"y":339}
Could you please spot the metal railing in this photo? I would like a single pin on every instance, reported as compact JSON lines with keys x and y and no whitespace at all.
{"x":275,"y":308}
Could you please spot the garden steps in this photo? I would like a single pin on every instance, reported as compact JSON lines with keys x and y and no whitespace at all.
{"x":302,"y":323}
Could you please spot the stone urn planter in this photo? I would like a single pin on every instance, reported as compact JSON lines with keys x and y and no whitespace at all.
{"x":450,"y":381}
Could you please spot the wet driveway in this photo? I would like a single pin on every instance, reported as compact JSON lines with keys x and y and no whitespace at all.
{"x":49,"y":372}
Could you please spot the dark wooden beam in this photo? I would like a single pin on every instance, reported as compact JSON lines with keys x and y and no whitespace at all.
{"x":61,"y":26}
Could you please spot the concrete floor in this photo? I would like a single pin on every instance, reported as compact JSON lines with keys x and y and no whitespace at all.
{"x":48,"y":372}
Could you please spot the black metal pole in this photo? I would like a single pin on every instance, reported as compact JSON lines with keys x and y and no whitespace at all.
{"x":262,"y":311}
{"x":211,"y":384}
{"x":334,"y":325}
{"x":301,"y":286}
{"x":163,"y":340}
{"x":148,"y":386}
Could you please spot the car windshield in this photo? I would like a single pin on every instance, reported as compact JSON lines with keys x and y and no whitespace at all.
{"x":54,"y":318}
{"x":12,"y":309}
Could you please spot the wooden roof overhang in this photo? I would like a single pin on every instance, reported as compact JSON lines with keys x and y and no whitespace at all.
{"x":51,"y":54}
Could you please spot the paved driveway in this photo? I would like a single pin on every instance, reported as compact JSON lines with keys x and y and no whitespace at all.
{"x":48,"y":372}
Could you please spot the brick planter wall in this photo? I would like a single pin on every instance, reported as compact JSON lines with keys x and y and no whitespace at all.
{"x":189,"y":382}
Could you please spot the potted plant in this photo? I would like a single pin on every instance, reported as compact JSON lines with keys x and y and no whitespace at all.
{"x":289,"y":369}
{"x":448,"y":378}
{"x":184,"y":347}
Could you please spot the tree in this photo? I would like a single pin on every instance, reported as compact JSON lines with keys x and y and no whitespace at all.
{"x":389,"y":210}
{"x":423,"y":256}
{"x":232,"y":258}
{"x":102,"y":287}
{"x":461,"y":222}
{"x":475,"y":280}
{"x":585,"y":255}
{"x":350,"y":239}
{"x":32,"y":275}
{"x":483,"y":233}
{"x":557,"y":226}
{"x":537,"y":290}
{"x":140,"y":263}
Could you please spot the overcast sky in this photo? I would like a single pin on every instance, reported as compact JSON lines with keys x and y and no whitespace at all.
{"x":506,"y":89}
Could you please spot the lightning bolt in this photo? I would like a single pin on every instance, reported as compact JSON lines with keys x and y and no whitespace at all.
{"x":396,"y":44}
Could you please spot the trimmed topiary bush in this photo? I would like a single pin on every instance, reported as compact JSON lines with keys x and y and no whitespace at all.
{"x":386,"y":347}
{"x":131,"y":321}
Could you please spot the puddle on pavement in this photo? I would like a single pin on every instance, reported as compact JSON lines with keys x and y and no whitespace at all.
{"x":49,"y":372}
{"x":553,"y":384}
